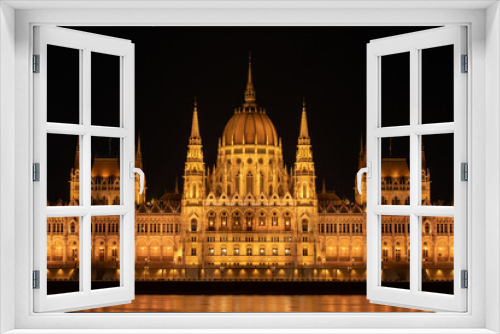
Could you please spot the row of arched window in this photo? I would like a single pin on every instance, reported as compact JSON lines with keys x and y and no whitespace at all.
{"x":158,"y":228}
{"x":340,"y":228}
{"x":106,"y":227}
{"x":59,"y":227}
{"x":395,"y":201}
{"x":249,"y":251}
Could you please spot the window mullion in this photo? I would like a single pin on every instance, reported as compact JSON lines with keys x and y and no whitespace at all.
{"x":415,"y":173}
{"x":85,"y":173}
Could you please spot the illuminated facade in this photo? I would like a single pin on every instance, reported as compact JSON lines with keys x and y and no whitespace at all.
{"x":250,"y":216}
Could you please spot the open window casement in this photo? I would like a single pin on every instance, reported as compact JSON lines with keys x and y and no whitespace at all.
{"x":83,"y":126}
{"x":409,"y":125}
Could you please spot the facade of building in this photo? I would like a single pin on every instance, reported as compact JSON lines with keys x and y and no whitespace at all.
{"x":250,"y":217}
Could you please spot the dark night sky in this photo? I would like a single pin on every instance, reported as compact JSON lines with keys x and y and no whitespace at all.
{"x":327,"y":65}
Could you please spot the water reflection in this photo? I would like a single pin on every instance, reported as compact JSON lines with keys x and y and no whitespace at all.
{"x":251,"y":303}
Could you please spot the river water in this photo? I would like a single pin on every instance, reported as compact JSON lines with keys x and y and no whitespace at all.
{"x":250,"y":303}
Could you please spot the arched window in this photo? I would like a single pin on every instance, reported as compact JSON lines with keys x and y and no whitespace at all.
{"x":427,"y":228}
{"x":398,"y":252}
{"x":249,"y":183}
{"x":274,"y":219}
{"x":71,"y":227}
{"x":194,"y":225}
{"x":385,"y":252}
{"x":211,"y":221}
{"x":236,"y":219}
{"x":194,"y":191}
{"x":261,"y":182}
{"x":74,"y":251}
{"x":305,"y":225}
{"x":249,"y":221}
{"x":305,"y":190}
{"x":425,"y":252}
{"x":237,"y":185}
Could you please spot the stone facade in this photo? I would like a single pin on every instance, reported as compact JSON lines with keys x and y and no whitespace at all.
{"x":250,"y":217}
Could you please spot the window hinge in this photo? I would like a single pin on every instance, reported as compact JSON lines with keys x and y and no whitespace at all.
{"x":465,"y":64}
{"x":465,"y":279}
{"x":36,"y":172}
{"x":36,"y":63}
{"x":36,"y":279}
{"x":464,"y":172}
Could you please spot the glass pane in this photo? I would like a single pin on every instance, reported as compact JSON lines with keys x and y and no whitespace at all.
{"x":395,"y":251}
{"x":437,"y":254}
{"x":63,"y":85}
{"x":395,"y":90}
{"x":63,"y":255}
{"x":395,"y":172}
{"x":105,"y":90}
{"x":437,"y":170}
{"x":105,"y":252}
{"x":437,"y":84}
{"x":63,"y":170}
{"x":105,"y":171}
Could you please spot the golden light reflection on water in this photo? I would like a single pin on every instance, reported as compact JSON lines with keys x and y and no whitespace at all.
{"x":250,"y":303}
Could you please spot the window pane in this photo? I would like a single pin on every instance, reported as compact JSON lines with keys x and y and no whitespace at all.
{"x":105,"y":252}
{"x":395,"y":172}
{"x":395,"y":90}
{"x":63,"y":255}
{"x":437,"y":254}
{"x":437,"y":170}
{"x":63,"y":85}
{"x":395,"y":251}
{"x":63,"y":170}
{"x":105,"y":90}
{"x":105,"y":171}
{"x":437,"y":84}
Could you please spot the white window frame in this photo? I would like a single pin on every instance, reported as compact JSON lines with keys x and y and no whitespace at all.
{"x":483,"y":20}
{"x":85,"y":43}
{"x":414,"y":43}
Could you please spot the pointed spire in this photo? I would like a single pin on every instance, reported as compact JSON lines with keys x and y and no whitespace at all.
{"x":77,"y":155}
{"x":195,"y":129}
{"x":323,"y":190}
{"x":250,"y":91}
{"x":138,"y":154}
{"x":176,"y":191}
{"x":361,"y":148}
{"x":424,"y":164}
{"x":304,"y":131}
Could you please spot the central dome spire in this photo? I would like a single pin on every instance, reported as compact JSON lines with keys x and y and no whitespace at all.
{"x":250,"y":91}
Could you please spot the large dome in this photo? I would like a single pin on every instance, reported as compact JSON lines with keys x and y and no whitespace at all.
{"x":250,"y":127}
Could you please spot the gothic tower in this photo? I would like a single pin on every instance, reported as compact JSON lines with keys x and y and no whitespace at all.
{"x":305,"y":188}
{"x":305,"y":193}
{"x":194,"y":171}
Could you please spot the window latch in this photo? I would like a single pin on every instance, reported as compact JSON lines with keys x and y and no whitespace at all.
{"x":133,"y":171}
{"x":368,"y":171}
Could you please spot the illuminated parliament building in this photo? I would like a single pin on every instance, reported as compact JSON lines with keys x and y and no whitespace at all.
{"x":250,"y":217}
